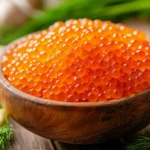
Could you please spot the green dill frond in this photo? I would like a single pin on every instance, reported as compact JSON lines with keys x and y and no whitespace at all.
{"x":6,"y":135}
{"x":140,"y":143}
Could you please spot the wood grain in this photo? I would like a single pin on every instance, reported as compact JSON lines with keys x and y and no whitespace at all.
{"x":25,"y":140}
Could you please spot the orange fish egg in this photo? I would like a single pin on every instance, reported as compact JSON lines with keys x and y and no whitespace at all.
{"x":80,"y":61}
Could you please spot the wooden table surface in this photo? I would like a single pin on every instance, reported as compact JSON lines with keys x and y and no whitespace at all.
{"x":25,"y":140}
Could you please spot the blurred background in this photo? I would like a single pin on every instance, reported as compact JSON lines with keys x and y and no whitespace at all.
{"x":21,"y":17}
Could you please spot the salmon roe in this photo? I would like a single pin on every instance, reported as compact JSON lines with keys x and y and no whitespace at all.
{"x":80,"y":61}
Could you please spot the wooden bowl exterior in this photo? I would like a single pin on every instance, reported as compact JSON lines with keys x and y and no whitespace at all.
{"x":76,"y":123}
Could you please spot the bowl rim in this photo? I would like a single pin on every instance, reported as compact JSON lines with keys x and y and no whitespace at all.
{"x":5,"y":83}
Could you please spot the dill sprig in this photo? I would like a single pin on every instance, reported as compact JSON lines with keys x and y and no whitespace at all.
{"x":6,"y":135}
{"x":139,"y":143}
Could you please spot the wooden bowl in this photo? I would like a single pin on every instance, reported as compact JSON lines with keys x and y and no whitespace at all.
{"x":76,"y":123}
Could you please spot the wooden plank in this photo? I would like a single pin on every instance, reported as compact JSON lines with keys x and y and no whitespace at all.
{"x":145,"y":131}
{"x":25,"y":140}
